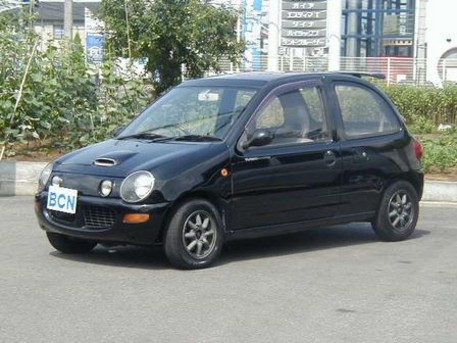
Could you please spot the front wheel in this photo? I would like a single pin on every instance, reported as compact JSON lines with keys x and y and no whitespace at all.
{"x":194,"y":237}
{"x":69,"y":245}
{"x":398,"y":212}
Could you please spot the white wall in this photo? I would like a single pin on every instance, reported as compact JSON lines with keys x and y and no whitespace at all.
{"x":441,"y":27}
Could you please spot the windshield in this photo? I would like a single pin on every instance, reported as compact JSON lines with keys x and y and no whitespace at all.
{"x":191,"y":113}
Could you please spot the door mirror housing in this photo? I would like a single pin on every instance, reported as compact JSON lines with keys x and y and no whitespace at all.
{"x":260,"y":137}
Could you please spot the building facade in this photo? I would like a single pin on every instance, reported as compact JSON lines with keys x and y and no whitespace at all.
{"x":378,"y":28}
{"x":368,"y":35}
{"x":441,"y":41}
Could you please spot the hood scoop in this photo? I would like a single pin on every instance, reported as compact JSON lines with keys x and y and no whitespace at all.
{"x":112,"y":159}
{"x":105,"y":162}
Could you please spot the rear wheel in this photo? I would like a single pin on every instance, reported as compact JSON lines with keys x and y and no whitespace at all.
{"x":194,"y":237}
{"x":398,"y":212}
{"x":69,"y":245}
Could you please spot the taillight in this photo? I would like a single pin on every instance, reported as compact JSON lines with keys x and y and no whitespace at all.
{"x":417,"y":149}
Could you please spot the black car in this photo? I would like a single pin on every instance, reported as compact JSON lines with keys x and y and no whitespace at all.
{"x":238,"y":156}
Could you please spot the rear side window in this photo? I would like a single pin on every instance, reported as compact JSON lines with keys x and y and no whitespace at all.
{"x":364,"y":112}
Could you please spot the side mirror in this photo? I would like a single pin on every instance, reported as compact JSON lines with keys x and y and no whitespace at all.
{"x":260,"y":137}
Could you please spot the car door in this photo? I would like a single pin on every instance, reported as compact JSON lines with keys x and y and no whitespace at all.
{"x":295,"y":177}
{"x":371,"y":139}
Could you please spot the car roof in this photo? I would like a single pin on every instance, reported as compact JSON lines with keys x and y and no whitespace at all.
{"x":260,"y":79}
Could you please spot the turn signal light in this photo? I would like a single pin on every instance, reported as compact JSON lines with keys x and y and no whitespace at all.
{"x":135,"y":218}
{"x":37,"y":207}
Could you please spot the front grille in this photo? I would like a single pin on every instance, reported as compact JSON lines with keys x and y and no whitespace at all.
{"x":62,"y":216}
{"x":97,"y":217}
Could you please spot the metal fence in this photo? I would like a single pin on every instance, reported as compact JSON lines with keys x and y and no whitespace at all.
{"x":398,"y":70}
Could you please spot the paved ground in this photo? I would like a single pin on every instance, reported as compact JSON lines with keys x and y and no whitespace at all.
{"x":331,"y":285}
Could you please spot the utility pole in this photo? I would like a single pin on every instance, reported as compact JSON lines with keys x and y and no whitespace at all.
{"x":273,"y":35}
{"x":420,"y":52}
{"x":334,"y":10}
{"x":238,"y":31}
{"x":68,"y":19}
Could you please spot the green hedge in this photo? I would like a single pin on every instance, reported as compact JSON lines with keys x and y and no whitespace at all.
{"x":425,"y":108}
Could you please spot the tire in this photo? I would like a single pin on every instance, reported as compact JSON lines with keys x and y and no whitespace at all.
{"x":194,"y":235}
{"x":69,"y":245}
{"x":398,"y":212}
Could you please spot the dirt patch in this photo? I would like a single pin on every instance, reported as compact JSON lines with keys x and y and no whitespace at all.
{"x":40,"y":156}
{"x":33,"y":152}
{"x":436,"y":175}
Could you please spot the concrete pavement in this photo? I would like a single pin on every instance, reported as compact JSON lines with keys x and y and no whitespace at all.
{"x":20,"y":178}
{"x":336,"y":284}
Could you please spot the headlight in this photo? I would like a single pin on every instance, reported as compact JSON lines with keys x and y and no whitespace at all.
{"x":44,"y":177}
{"x":137,"y":186}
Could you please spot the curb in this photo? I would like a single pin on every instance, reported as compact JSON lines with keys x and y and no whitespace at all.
{"x":20,"y":178}
{"x":443,"y":191}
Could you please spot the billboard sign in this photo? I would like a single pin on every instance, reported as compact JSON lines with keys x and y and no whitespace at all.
{"x":304,"y":23}
{"x":94,"y":38}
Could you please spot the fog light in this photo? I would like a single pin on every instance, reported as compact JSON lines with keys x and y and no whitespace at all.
{"x":57,"y":181}
{"x":106,"y":188}
{"x":136,"y":218}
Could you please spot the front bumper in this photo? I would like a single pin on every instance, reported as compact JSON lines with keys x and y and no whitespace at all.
{"x":101,"y":220}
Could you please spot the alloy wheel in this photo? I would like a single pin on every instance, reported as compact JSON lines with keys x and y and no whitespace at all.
{"x":199,"y":234}
{"x":400,"y":211}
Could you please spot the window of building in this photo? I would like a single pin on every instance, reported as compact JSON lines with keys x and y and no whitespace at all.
{"x":378,"y":28}
{"x":58,"y":32}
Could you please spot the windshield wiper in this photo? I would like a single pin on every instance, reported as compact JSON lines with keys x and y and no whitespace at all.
{"x":197,"y":138}
{"x":144,"y":135}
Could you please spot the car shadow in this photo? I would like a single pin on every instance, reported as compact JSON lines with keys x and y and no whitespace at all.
{"x":331,"y":237}
{"x":121,"y":256}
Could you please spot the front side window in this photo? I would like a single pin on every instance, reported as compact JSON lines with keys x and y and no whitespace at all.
{"x":293,"y":117}
{"x":364,"y":112}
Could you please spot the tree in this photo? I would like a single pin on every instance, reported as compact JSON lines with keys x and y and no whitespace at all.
{"x":170,"y":33}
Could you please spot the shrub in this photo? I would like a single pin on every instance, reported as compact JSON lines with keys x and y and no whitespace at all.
{"x":54,"y":98}
{"x":440,"y":153}
{"x":424,"y":108}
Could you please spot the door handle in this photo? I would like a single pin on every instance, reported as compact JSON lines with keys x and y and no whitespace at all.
{"x":329,"y":158}
{"x":359,"y":156}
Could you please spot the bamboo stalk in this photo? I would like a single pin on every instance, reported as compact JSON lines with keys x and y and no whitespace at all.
{"x":128,"y":29}
{"x":21,"y":90}
{"x":24,"y":78}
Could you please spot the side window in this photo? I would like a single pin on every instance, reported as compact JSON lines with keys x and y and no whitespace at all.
{"x":272,"y":116}
{"x":317,"y":121}
{"x":297,"y":116}
{"x":364,"y":112}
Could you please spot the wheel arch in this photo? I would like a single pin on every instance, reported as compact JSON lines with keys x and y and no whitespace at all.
{"x":211,"y":197}
{"x":415,"y":179}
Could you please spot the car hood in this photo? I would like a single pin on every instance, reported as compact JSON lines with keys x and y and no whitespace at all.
{"x":118,"y":158}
